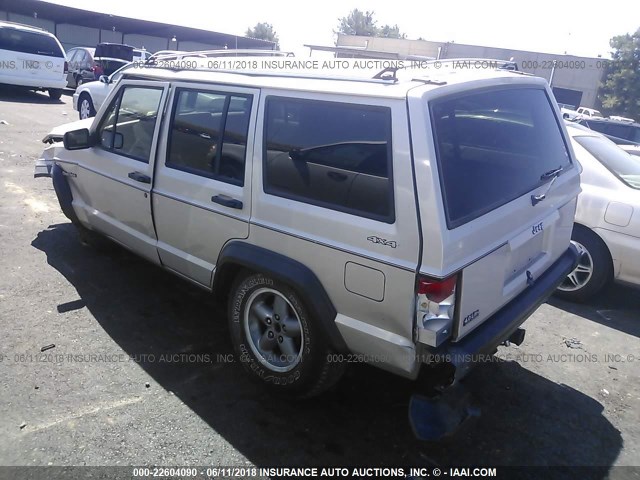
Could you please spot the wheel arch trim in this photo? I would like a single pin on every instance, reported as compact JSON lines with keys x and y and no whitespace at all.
{"x":299,"y":277}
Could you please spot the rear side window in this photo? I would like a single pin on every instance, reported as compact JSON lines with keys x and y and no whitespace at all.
{"x":334,"y":155}
{"x":209,"y":134}
{"x":29,"y":42}
{"x":493,"y":147}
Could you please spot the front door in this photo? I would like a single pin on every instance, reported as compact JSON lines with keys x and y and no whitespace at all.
{"x":115,"y":176}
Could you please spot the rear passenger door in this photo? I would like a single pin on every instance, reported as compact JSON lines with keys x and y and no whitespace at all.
{"x":201,"y":196}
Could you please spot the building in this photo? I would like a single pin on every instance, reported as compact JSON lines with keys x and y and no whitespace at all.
{"x":81,"y":28}
{"x":574,"y":80}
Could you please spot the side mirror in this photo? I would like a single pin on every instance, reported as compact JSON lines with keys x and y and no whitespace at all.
{"x":104,"y":79}
{"x":77,"y":139}
{"x":112,"y":140}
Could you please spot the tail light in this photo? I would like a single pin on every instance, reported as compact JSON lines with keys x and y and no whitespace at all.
{"x":66,"y":67}
{"x":435,"y":308}
{"x":97,"y":70}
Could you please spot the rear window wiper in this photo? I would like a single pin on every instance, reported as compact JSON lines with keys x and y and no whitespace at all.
{"x":551,"y":173}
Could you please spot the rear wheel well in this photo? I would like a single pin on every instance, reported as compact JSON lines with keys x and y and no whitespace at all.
{"x":225,"y":278}
{"x":590,"y":231}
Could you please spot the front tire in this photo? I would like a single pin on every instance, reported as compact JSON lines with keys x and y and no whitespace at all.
{"x":594,"y":270}
{"x":277,"y":339}
{"x":55,"y":93}
{"x":85,"y":107}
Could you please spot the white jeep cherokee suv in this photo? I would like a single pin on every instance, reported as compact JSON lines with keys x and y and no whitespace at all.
{"x":403,"y":219}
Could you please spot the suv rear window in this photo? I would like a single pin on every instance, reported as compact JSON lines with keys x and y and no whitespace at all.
{"x":493,"y":147}
{"x":29,"y":42}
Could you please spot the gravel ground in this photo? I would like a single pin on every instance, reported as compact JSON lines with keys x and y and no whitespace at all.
{"x":141,"y":372}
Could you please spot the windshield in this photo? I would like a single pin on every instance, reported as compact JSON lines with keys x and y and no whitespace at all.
{"x":494,"y":146}
{"x":617,"y":161}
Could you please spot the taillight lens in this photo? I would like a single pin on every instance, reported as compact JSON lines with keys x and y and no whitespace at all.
{"x":437,"y":290}
{"x":97,"y":70}
{"x":66,"y":67}
{"x":435,"y":308}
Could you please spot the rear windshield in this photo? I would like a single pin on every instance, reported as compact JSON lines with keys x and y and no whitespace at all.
{"x":29,"y":42}
{"x":619,"y":162}
{"x":494,"y":146}
{"x":114,"y":50}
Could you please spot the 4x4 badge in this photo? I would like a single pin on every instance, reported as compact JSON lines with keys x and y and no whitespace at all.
{"x":382,"y":241}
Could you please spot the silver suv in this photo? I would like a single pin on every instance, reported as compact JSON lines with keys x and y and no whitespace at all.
{"x":400,"y":219}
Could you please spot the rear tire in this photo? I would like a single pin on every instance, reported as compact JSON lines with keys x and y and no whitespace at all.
{"x":55,"y":93}
{"x":594,"y":270}
{"x":277,"y":339}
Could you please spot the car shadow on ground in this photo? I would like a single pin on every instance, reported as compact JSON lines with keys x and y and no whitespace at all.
{"x":617,"y":306}
{"x":20,"y":95}
{"x":526,"y":419}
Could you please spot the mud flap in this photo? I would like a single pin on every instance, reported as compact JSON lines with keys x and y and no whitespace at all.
{"x":434,"y":418}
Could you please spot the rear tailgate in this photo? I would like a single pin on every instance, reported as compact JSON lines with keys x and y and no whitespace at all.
{"x":492,"y":150}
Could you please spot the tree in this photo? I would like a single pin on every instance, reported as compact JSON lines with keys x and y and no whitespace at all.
{"x":358,"y":23}
{"x":391,"y":32}
{"x":263,"y":31}
{"x":620,"y":90}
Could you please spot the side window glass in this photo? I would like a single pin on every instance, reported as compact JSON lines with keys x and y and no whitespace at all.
{"x":330,"y":154}
{"x":209,"y":134}
{"x":130,"y":122}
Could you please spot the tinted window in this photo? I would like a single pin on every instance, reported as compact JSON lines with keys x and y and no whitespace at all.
{"x":493,"y":147}
{"x":130,"y":122}
{"x":619,"y":162}
{"x":330,"y":154}
{"x":29,"y":42}
{"x":209,"y":134}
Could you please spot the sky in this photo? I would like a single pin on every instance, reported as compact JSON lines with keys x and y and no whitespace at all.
{"x":549,"y":26}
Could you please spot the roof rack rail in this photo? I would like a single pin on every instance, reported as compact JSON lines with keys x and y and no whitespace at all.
{"x":273,"y":74}
{"x":25,"y":25}
{"x":227,"y":52}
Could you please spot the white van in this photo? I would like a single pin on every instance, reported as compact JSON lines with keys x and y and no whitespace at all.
{"x":31,"y":57}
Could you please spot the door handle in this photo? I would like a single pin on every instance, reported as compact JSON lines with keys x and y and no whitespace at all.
{"x":338,"y":177}
{"x":139,"y":177}
{"x":227,"y":201}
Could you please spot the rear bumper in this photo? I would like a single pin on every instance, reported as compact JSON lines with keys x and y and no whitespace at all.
{"x":465,"y":354}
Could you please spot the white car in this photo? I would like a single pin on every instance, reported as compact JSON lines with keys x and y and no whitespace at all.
{"x":33,"y":58}
{"x":584,"y":112}
{"x":607,"y":224}
{"x":88,"y":97}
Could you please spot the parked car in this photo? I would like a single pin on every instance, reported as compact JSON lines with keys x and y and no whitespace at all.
{"x":88,"y":98}
{"x":584,"y":112}
{"x":31,"y":57}
{"x":89,"y":64}
{"x":621,"y":132}
{"x":621,"y":119}
{"x":141,"y":55}
{"x":607,"y":224}
{"x":404,"y":219}
{"x":568,"y":111}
